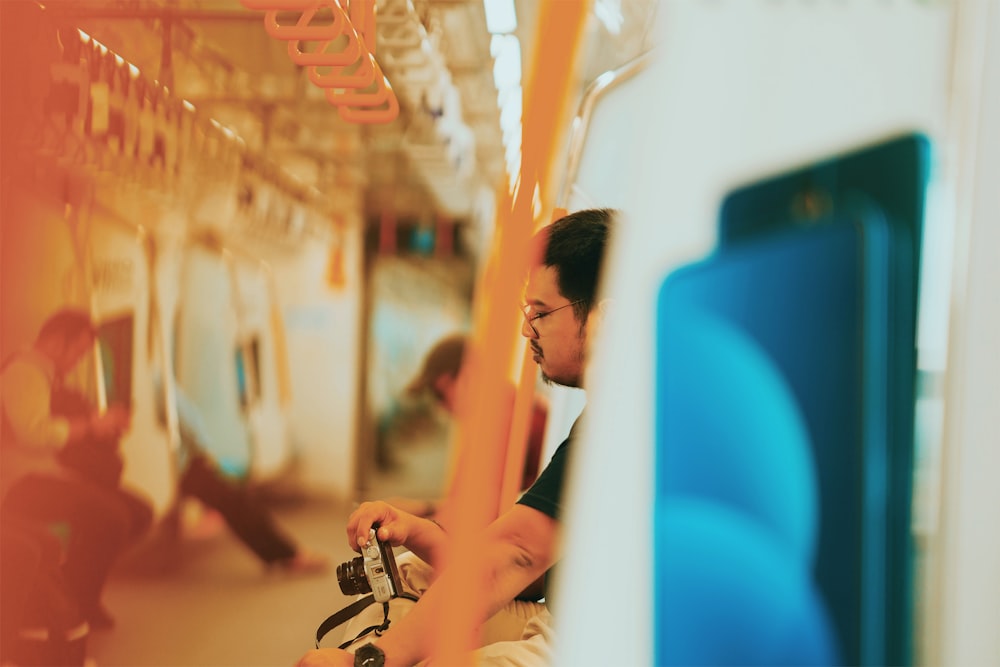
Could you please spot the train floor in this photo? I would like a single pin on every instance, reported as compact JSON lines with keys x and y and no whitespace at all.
{"x":202,"y":599}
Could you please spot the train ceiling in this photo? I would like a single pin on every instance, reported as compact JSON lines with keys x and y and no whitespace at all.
{"x":444,"y":146}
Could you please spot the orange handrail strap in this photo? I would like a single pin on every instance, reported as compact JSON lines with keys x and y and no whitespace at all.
{"x":362,"y":77}
{"x":279,"y":4}
{"x":370,"y":115}
{"x":322,"y":56}
{"x":363,"y":18}
{"x":304,"y":27}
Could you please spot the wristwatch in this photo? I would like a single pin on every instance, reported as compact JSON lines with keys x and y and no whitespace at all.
{"x":369,"y":655}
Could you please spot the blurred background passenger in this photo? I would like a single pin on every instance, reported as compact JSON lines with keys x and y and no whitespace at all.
{"x":440,"y":376}
{"x":64,"y":471}
{"x":201,"y":478}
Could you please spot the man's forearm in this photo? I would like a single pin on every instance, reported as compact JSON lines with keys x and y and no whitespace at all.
{"x":496,"y":582}
{"x":428,"y":541}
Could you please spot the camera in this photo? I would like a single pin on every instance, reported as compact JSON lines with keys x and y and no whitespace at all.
{"x":374,"y":571}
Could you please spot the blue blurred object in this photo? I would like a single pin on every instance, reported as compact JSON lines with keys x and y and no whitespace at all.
{"x":785,"y":375}
{"x":795,"y":305}
{"x":423,"y":239}
{"x":736,"y":435}
{"x":728,"y":593}
{"x":879,"y":190}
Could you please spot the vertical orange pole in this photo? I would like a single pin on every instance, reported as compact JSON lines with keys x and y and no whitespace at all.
{"x":520,"y":423}
{"x":483,"y":420}
{"x":517,"y":442}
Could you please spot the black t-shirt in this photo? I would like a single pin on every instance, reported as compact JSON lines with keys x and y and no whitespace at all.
{"x":545,"y":495}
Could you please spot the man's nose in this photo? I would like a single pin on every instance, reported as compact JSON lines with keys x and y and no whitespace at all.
{"x":526,"y":329}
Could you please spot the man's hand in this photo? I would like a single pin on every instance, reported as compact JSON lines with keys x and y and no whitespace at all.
{"x":423,"y":537}
{"x":394,"y":524}
{"x":326,"y":657}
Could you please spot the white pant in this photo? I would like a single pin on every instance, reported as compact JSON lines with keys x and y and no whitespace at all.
{"x":519,"y":635}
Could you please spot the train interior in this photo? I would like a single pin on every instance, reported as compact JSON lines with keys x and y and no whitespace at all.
{"x":272,"y":210}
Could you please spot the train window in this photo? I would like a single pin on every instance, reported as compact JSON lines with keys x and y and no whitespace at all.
{"x":114,"y":339}
{"x":247,"y":356}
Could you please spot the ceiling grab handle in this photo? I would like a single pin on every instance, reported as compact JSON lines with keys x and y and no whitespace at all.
{"x":303,"y":28}
{"x":363,"y":20}
{"x":341,"y":90}
{"x":365,"y":75}
{"x":367,"y":116}
{"x":363,"y":107}
{"x":279,"y":4}
{"x":321,"y":56}
{"x":365,"y":98}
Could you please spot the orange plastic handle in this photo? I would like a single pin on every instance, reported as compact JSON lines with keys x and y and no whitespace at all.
{"x":279,"y":4}
{"x":378,"y":106}
{"x":320,"y":57}
{"x":302,"y":29}
{"x":374,"y":98}
{"x":369,"y":116}
{"x":363,"y":77}
{"x":363,"y":19}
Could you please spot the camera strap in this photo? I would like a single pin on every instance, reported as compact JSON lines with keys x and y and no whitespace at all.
{"x":352,"y":610}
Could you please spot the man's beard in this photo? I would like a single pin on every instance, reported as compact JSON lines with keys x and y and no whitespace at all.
{"x":538,"y":351}
{"x":550,"y":381}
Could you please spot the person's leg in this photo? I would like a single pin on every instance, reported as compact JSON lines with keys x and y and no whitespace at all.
{"x":532,"y":649}
{"x":41,"y":623}
{"x":140,"y":513}
{"x":20,"y":561}
{"x":98,"y":529}
{"x":251,"y":523}
{"x":508,"y":624}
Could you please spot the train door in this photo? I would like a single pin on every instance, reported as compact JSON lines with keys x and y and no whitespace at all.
{"x":262,"y":369}
{"x":212,"y":356}
{"x":131,"y":347}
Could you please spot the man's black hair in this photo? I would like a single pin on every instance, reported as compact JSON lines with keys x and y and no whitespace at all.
{"x":574,"y":245}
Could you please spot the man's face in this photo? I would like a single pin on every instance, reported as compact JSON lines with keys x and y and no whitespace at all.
{"x":558,"y":340}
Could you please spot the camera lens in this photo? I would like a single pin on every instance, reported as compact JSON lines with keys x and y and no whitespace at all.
{"x":351,"y":577}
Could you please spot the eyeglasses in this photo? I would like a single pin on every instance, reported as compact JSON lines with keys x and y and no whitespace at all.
{"x":530,"y":316}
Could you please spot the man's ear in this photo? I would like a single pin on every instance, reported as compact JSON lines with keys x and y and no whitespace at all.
{"x":598,"y":314}
{"x":603,"y":310}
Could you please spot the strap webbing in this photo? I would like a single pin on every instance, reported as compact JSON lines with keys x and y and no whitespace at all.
{"x":352,"y":610}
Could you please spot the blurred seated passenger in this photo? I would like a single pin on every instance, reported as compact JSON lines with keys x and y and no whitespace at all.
{"x":441,"y":377}
{"x":40,"y":623}
{"x":250,"y":521}
{"x":64,"y":471}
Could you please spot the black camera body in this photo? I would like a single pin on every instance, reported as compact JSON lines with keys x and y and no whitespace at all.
{"x":374,"y":571}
